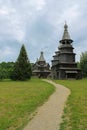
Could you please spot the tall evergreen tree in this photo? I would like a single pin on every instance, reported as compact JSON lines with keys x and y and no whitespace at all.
{"x":22,"y":67}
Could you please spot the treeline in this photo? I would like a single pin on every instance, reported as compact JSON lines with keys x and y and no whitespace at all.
{"x":6,"y":69}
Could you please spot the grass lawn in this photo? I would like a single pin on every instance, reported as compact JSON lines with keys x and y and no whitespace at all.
{"x":75,"y":112}
{"x":19,"y":99}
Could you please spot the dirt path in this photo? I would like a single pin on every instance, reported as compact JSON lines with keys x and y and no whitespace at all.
{"x":48,"y":116}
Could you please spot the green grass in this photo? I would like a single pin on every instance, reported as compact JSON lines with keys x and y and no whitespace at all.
{"x":75,"y":112}
{"x":18,"y":100}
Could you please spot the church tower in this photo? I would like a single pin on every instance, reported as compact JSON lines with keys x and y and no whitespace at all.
{"x":63,"y":63}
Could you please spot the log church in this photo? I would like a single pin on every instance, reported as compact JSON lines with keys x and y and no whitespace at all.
{"x":41,"y":69}
{"x":63,"y":63}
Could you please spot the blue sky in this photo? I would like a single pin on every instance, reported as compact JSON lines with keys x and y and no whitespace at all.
{"x":39,"y":24}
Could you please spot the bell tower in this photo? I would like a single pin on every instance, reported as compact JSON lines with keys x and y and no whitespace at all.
{"x":66,"y":49}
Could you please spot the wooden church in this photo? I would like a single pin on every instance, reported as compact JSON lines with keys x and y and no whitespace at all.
{"x":63,"y":63}
{"x":41,"y":69}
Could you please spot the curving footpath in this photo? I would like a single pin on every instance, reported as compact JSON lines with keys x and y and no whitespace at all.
{"x":49,"y":115}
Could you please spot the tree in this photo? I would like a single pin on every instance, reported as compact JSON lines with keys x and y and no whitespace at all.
{"x":6,"y":69}
{"x":1,"y":74}
{"x":83,"y":63}
{"x":22,"y":67}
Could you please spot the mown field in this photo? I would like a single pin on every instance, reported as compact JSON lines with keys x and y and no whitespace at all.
{"x":75,"y":112}
{"x":19,"y":99}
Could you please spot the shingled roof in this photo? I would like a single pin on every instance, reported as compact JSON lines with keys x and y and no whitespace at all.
{"x":66,"y":35}
{"x":41,"y":57}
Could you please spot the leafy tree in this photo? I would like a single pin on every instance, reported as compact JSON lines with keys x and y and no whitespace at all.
{"x":22,"y":67}
{"x":1,"y":74}
{"x":78,"y":65}
{"x":6,"y":69}
{"x":83,"y":63}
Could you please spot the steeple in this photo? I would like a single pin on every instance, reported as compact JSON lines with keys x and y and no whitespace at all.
{"x":41,"y":57}
{"x":66,"y":35}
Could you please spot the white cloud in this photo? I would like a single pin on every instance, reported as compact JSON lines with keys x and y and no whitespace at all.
{"x":11,"y":24}
{"x":38,"y":4}
{"x":6,"y":11}
{"x":6,"y":52}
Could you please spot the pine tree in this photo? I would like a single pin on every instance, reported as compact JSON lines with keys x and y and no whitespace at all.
{"x":22,"y":67}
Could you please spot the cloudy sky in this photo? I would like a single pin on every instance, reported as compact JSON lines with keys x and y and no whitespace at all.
{"x":39,"y":24}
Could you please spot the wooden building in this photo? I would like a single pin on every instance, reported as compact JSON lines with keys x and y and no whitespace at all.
{"x":41,"y":69}
{"x":63,"y":63}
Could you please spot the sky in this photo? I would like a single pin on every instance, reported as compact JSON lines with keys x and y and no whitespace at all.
{"x":39,"y":25}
